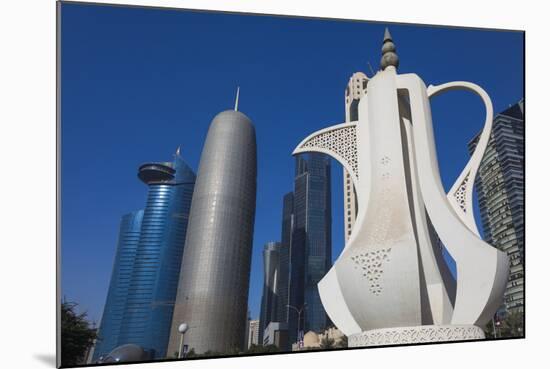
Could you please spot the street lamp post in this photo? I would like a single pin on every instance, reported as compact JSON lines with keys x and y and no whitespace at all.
{"x":182,"y":329}
{"x":299,"y":311}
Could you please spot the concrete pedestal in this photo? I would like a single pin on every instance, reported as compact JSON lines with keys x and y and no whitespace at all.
{"x":420,"y":334}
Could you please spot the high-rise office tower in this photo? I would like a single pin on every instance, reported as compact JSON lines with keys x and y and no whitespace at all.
{"x":311,"y":246}
{"x":268,"y":309}
{"x":213,"y":289}
{"x":128,"y":240}
{"x":355,"y":90}
{"x":500,"y":190}
{"x":284,"y":258}
{"x":153,"y":286}
{"x":142,"y":309}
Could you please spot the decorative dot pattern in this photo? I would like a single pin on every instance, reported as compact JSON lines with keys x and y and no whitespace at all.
{"x":460,"y":193}
{"x":370,"y":264}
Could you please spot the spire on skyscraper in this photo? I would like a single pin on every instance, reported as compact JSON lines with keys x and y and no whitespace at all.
{"x":237,"y":99}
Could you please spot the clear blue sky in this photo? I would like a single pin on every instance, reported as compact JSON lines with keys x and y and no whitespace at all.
{"x":138,"y":82}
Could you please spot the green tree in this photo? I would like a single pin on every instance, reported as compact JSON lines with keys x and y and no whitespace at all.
{"x":191,"y":353}
{"x":254,"y":349}
{"x":233,"y":351}
{"x":259,"y":349}
{"x":271,"y":348}
{"x":343,"y":343}
{"x":76,"y":335}
{"x":512,"y":325}
{"x":326,"y":343}
{"x":211,"y":353}
{"x":489,"y":330}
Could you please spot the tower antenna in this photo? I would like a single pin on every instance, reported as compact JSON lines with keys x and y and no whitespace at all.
{"x":237,"y":99}
{"x":370,"y":67}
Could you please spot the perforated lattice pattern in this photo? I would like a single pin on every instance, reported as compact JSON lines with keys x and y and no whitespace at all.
{"x":341,"y":141}
{"x":407,"y":335}
{"x":460,"y":194}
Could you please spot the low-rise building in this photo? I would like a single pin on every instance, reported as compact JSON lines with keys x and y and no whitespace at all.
{"x":314,"y":340}
{"x":276,"y":333}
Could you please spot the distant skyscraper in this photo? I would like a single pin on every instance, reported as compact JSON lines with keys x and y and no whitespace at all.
{"x":500,"y":189}
{"x":246,"y":331}
{"x":269,"y":306}
{"x":253,"y":332}
{"x":311,"y":246}
{"x":213,"y":289}
{"x":128,"y":240}
{"x":355,"y":90}
{"x":151,"y":260}
{"x":284,"y":258}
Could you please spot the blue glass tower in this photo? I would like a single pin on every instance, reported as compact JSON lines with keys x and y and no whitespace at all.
{"x":128,"y":240}
{"x":152,"y":285}
{"x":268,"y":310}
{"x":310,"y":254}
{"x":284,"y":258}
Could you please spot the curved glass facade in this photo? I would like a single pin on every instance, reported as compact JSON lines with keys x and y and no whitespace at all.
{"x":128,"y":240}
{"x":152,"y":285}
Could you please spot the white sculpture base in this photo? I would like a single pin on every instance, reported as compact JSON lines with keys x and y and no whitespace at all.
{"x":419,"y":334}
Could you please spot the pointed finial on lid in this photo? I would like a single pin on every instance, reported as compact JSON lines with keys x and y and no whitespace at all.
{"x":237,"y":99}
{"x":387,"y":35}
{"x":178,"y":151}
{"x":389,"y":56}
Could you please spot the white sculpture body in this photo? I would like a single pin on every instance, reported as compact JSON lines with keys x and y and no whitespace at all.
{"x":391,"y":272}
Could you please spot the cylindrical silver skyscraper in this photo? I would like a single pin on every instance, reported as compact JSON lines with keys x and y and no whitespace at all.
{"x":213,"y":288}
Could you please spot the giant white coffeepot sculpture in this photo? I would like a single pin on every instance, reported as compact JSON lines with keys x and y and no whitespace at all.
{"x":390,"y":285}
